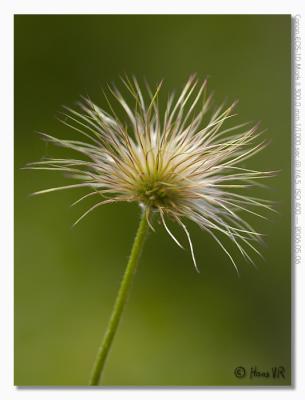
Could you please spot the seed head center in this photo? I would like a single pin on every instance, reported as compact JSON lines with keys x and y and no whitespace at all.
{"x":156,"y":193}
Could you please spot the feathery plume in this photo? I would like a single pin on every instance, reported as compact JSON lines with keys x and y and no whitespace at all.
{"x":179,"y":162}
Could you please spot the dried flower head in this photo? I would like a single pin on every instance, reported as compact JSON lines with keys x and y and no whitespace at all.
{"x":180,"y":162}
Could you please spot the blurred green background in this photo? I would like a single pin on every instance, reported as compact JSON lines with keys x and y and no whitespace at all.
{"x":179,"y":327}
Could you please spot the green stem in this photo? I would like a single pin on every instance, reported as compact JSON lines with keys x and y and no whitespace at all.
{"x":119,"y":302}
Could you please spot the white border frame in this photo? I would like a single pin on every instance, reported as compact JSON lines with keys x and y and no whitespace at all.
{"x":7,"y":11}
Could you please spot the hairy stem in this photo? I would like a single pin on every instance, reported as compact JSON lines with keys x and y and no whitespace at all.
{"x":119,"y":302}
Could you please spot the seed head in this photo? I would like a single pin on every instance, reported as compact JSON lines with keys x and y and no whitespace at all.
{"x":178,"y":161}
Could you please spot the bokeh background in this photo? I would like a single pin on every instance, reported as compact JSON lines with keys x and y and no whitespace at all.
{"x":179,"y":327}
